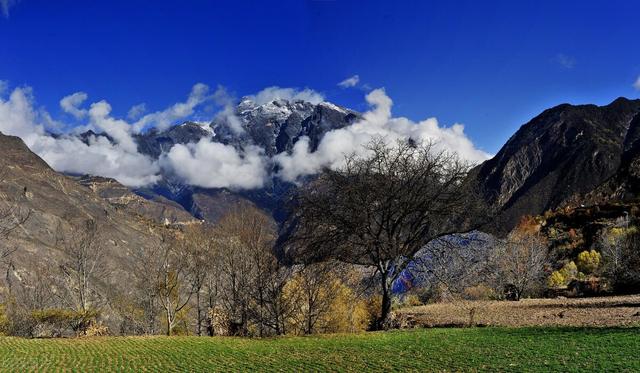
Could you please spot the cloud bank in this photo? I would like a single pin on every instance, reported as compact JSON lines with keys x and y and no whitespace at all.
{"x":376,"y":123}
{"x":207,"y":163}
{"x":164,"y":119}
{"x":636,"y":85}
{"x":97,"y":155}
{"x":210,"y":164}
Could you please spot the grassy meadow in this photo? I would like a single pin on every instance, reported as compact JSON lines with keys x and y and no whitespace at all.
{"x":453,"y":349}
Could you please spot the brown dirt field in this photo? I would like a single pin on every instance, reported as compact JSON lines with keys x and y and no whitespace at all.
{"x":600,"y":311}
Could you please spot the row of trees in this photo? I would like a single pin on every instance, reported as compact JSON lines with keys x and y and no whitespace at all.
{"x":375,"y":212}
{"x":352,"y":233}
{"x":199,"y":279}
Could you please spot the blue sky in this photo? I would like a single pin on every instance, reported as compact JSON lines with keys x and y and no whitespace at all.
{"x":489,"y":65}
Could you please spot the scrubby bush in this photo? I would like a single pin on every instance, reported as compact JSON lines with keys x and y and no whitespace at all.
{"x":588,"y":261}
{"x":410,"y":300}
{"x":479,"y":292}
{"x":557,"y":280}
{"x":57,"y":322}
{"x":96,"y":329}
{"x":562,"y":277}
{"x":373,"y":309}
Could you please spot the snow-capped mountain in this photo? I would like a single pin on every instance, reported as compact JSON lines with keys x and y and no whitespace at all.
{"x":277,"y":125}
{"x":274,"y":126}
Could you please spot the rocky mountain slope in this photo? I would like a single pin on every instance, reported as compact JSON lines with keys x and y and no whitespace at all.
{"x":157,"y":208}
{"x":581,"y":154}
{"x":54,"y":203}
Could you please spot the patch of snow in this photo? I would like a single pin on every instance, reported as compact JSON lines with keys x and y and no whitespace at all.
{"x":332,"y":106}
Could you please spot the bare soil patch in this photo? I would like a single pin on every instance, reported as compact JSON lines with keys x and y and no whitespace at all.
{"x":598,"y":311}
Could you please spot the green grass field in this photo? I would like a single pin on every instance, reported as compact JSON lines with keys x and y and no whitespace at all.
{"x":504,"y":349}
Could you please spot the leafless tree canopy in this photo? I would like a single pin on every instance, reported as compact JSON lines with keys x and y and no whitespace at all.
{"x":381,"y":209}
{"x":252,"y":279}
{"x":520,"y":261}
{"x":83,"y":266}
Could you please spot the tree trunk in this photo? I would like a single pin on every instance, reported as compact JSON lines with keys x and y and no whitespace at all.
{"x":168,"y":327}
{"x":385,"y":308}
{"x":210,"y":315}
{"x":169,"y":322}
{"x":309,"y":322}
{"x":199,"y":326}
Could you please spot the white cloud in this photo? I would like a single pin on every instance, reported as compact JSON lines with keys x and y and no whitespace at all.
{"x":214,"y":165}
{"x":164,"y":119}
{"x":5,"y":5}
{"x":291,"y":94}
{"x":376,"y":123}
{"x":636,"y":85}
{"x":68,"y":153}
{"x":17,"y":115}
{"x":117,"y":129}
{"x":71,"y":104}
{"x":136,"y":111}
{"x":228,"y":113}
{"x":98,"y":157}
{"x":565,"y":61}
{"x":350,"y":82}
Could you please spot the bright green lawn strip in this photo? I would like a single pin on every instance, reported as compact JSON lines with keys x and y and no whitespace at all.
{"x":505,"y":349}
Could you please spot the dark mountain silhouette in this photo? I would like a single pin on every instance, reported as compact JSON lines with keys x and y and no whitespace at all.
{"x":584,"y":154}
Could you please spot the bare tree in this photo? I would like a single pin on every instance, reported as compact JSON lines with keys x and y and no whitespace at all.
{"x":249,"y":271}
{"x":621,"y":257}
{"x":380,"y":209}
{"x":316,"y":285}
{"x":520,"y":261}
{"x":212,"y":291}
{"x":146,"y":265}
{"x":458,"y":269}
{"x":271,"y":304}
{"x":83,"y":266}
{"x":199,"y":250}
{"x":451,"y":265}
{"x":172,"y":283}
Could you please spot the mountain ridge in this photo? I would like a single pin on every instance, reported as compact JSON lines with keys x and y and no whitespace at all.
{"x":559,"y":157}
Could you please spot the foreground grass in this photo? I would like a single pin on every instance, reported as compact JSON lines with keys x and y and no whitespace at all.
{"x":504,"y":349}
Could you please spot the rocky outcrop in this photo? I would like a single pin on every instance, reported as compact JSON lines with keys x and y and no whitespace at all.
{"x":157,"y":208}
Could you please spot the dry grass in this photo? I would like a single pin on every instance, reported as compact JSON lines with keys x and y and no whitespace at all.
{"x":601,"y":311}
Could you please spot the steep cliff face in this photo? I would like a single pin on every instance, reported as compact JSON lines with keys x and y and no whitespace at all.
{"x":567,"y":154}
